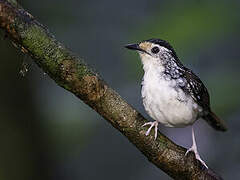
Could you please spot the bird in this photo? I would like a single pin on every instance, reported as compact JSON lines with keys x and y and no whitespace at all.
{"x":171,"y":93}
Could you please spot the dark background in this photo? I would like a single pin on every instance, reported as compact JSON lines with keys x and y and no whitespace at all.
{"x":47,"y":133}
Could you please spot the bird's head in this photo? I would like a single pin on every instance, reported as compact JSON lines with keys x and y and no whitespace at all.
{"x":154,"y":51}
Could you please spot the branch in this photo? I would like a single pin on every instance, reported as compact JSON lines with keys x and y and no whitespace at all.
{"x":71,"y":73}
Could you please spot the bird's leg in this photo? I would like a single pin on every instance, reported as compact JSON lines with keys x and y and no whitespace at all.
{"x":155,"y":124}
{"x":194,"y":149}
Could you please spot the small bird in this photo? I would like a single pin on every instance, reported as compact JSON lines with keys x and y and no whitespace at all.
{"x":172,"y":94}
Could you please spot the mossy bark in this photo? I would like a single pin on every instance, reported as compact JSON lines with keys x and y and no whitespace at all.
{"x":70,"y":72}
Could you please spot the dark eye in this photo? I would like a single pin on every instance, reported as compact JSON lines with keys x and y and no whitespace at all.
{"x":155,"y":50}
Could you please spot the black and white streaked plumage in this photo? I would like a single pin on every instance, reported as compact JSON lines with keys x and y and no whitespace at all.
{"x":172,"y":94}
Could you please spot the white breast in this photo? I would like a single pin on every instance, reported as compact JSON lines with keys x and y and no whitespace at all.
{"x":164,"y":102}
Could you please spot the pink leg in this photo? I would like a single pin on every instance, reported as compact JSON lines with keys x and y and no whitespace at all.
{"x":194,"y":149}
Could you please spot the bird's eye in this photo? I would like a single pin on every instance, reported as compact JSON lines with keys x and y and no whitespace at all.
{"x":155,"y":50}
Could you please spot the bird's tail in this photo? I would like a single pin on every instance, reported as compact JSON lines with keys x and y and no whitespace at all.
{"x":215,"y":122}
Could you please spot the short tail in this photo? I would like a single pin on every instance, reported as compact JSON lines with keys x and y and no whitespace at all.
{"x":215,"y":122}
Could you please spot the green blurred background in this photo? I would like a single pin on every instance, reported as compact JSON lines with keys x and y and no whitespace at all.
{"x":47,"y":133}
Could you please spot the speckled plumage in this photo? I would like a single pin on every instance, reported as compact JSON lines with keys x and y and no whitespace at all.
{"x":165,"y":73}
{"x":188,"y":81}
{"x":167,"y":67}
{"x":163,"y":92}
{"x":172,"y":94}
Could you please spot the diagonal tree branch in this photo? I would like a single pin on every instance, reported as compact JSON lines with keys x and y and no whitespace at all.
{"x":71,"y":73}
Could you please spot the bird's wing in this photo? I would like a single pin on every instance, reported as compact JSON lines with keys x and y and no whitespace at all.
{"x":199,"y":93}
{"x":196,"y":89}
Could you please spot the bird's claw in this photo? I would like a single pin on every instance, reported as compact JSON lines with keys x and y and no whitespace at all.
{"x":197,"y":156}
{"x":155,"y":124}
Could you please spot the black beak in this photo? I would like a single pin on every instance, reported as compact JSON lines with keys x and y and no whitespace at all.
{"x":135,"y":47}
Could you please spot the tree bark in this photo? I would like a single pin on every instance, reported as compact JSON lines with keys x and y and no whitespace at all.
{"x":70,"y":72}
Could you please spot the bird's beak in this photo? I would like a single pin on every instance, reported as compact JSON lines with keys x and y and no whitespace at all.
{"x":135,"y":47}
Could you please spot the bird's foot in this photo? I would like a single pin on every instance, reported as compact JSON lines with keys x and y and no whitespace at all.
{"x":197,"y":156}
{"x":155,"y":124}
{"x":194,"y":149}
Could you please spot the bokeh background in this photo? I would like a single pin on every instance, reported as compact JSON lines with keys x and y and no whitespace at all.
{"x":47,"y":133}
